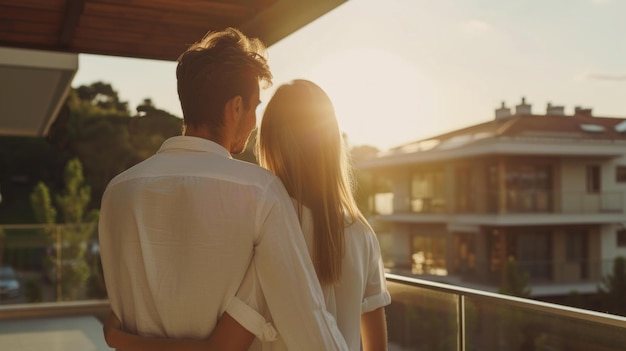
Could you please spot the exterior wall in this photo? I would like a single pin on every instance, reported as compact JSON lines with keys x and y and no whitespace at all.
{"x":573,"y":184}
{"x":574,"y":195}
{"x":616,"y":191}
{"x":568,"y":188}
{"x":608,"y":246}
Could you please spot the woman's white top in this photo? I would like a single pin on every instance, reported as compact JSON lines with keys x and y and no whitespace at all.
{"x":362,"y":289}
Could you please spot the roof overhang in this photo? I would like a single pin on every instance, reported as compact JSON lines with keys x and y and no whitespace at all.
{"x":502,"y":146}
{"x":33,"y":87}
{"x":41,"y":39}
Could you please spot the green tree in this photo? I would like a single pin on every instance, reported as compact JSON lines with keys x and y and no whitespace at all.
{"x":41,"y":203}
{"x":149,"y":128}
{"x":24,"y":161}
{"x":513,"y":323}
{"x":78,"y":226}
{"x":103,"y":96}
{"x":612,"y":288}
{"x":514,"y":282}
{"x":98,"y":129}
{"x":95,"y":126}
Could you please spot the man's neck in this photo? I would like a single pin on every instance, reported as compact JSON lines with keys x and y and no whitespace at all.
{"x":204,"y":133}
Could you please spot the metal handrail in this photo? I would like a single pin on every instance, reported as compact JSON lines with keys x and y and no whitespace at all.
{"x":539,"y":306}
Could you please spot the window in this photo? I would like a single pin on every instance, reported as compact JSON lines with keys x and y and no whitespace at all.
{"x":528,"y":187}
{"x":621,"y":238}
{"x":429,"y":255}
{"x":576,"y":246}
{"x":593,"y":179}
{"x":465,"y":189}
{"x":427,"y":192}
{"x":620,"y":174}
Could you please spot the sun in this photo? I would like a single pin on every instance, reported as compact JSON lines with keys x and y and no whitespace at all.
{"x":380,"y":98}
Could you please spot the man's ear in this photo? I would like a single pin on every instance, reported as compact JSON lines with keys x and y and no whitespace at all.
{"x":234,"y":108}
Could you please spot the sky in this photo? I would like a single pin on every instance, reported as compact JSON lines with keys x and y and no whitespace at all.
{"x":405,"y":70}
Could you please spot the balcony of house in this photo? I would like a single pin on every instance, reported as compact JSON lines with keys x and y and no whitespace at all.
{"x":57,"y":301}
{"x":423,"y":315}
{"x":511,"y":207}
{"x":546,"y":278}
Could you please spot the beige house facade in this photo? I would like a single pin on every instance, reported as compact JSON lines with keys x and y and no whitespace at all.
{"x":548,"y":190}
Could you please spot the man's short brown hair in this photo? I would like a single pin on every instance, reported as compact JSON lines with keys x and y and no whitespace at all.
{"x":222,"y":65}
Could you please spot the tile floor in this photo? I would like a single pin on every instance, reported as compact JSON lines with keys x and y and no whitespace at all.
{"x":80,"y":333}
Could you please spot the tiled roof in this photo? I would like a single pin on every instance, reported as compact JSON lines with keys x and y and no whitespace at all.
{"x":552,"y":127}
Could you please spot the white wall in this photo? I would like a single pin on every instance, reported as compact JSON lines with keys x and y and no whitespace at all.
{"x":608,"y":244}
{"x":575,"y":197}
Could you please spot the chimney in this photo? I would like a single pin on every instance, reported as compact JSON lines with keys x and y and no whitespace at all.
{"x":503,"y":112}
{"x":523,"y":108}
{"x":555,"y":110}
{"x":583,"y":112}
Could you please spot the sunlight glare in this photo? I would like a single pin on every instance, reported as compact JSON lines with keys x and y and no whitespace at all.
{"x":367,"y":87}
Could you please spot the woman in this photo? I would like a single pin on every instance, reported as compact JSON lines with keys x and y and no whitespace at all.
{"x":300,"y":142}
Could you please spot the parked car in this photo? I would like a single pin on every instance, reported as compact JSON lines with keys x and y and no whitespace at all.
{"x":9,"y":284}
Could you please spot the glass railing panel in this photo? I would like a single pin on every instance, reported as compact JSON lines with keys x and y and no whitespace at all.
{"x":23,"y":250}
{"x":497,"y":324}
{"x":421,"y":319}
{"x":51,"y":263}
{"x":426,"y":315}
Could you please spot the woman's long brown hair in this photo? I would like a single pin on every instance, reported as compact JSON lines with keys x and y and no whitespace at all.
{"x":300,"y":142}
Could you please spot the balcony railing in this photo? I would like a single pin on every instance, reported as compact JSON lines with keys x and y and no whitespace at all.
{"x":511,"y":202}
{"x":51,"y":262}
{"x":539,"y":271}
{"x":424,"y":315}
{"x":430,"y":316}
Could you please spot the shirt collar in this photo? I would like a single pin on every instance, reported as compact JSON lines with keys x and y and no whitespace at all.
{"x":190,"y":143}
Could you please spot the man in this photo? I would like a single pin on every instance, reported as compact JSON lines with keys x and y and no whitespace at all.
{"x":179,"y":230}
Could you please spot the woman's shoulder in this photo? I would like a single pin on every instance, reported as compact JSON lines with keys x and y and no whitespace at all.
{"x":358,"y":230}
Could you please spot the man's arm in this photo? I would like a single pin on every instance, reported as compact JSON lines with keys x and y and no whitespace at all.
{"x":374,"y":330}
{"x":227,"y":335}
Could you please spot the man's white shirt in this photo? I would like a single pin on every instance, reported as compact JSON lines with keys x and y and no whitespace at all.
{"x":178,"y":232}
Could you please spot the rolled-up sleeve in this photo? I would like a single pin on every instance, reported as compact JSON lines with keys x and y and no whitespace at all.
{"x":251,"y":320}
{"x":376,"y":294}
{"x":288,"y":280}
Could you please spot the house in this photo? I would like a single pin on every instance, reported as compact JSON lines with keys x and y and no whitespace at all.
{"x":548,"y":190}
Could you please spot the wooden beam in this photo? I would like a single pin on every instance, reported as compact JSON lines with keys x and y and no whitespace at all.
{"x":72,"y":16}
{"x":285,"y":17}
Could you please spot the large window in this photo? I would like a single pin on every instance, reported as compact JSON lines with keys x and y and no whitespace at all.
{"x":576,"y":246}
{"x":528,"y":187}
{"x":427,"y":192}
{"x":621,"y":238}
{"x":429,"y":255}
{"x":493,"y":186}
{"x":464,"y":253}
{"x":576,"y":250}
{"x":533,"y":249}
{"x":465,"y":189}
{"x":530,"y":247}
{"x":593,"y":179}
{"x":620,"y":174}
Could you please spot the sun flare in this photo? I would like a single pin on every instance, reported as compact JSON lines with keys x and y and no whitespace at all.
{"x":367,"y":86}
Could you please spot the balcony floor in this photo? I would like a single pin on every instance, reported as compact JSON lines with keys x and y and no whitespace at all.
{"x":79,"y":333}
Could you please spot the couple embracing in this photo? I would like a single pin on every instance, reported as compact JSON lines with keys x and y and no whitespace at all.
{"x":204,"y":252}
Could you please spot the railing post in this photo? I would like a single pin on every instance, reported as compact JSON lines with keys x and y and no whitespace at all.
{"x":461,"y":322}
{"x":59,"y":263}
